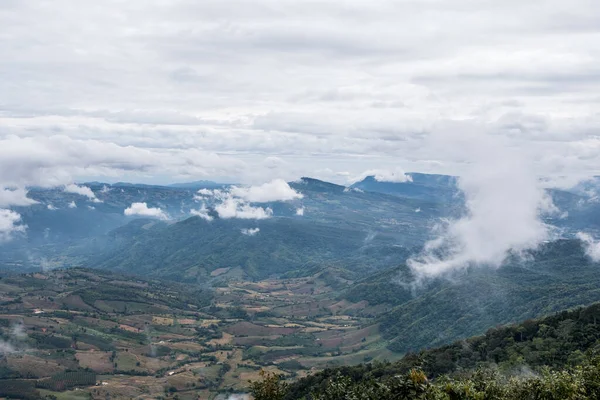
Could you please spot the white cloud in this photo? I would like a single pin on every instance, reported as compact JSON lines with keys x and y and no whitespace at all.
{"x":235,"y":202}
{"x":72,"y":204}
{"x":168,"y":80}
{"x":105,"y":189}
{"x":504,"y":201}
{"x":250,"y":232}
{"x":236,"y":208}
{"x":206,"y":192}
{"x":82,"y":191}
{"x":592,"y":246}
{"x":396,"y":175}
{"x":15,"y":197}
{"x":51,"y":207}
{"x":6,"y":348}
{"x":300,"y":211}
{"x":10,"y":224}
{"x":276,"y":190}
{"x":240,"y":396}
{"x":202,"y":212}
{"x":143,"y":210}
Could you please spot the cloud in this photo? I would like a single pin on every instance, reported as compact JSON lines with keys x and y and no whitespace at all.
{"x":300,"y":211}
{"x":82,"y":191}
{"x":592,"y":246}
{"x":6,"y":348}
{"x":236,"y":208}
{"x":143,"y":210}
{"x":72,"y":204}
{"x":17,"y":335}
{"x":51,"y":207}
{"x":235,"y":201}
{"x":206,"y":192}
{"x":238,"y":397}
{"x":250,"y":232}
{"x":105,"y":189}
{"x":219,"y":105}
{"x":504,"y":201}
{"x":18,"y":331}
{"x":381,"y":175}
{"x":276,"y":190}
{"x":15,"y":197}
{"x":202,"y":212}
{"x":10,"y":223}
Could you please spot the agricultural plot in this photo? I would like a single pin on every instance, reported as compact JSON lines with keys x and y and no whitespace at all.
{"x":75,"y":333}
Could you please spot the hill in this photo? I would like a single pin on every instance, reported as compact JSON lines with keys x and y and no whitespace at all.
{"x":63,"y":331}
{"x":480,"y":367}
{"x":428,"y":187}
{"x":63,"y":229}
{"x":363,"y":232}
{"x":557,"y":276}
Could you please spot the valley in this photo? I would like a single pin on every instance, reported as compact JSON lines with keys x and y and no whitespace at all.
{"x":140,"y":338}
{"x":97,"y":303}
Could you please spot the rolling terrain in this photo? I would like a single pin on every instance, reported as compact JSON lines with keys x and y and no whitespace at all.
{"x":137,"y":338}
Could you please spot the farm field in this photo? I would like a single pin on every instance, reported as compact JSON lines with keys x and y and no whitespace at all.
{"x":78,"y":333}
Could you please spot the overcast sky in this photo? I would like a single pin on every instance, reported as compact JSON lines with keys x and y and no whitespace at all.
{"x":176,"y":90}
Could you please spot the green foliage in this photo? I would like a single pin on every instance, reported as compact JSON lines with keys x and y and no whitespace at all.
{"x":68,"y":380}
{"x":560,"y":341}
{"x":580,"y":383}
{"x":270,"y":387}
{"x":438,"y":311}
{"x":18,"y":389}
{"x":97,"y":341}
{"x":50,"y":341}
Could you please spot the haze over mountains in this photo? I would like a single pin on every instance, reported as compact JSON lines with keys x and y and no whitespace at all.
{"x":364,"y":240}
{"x":369,"y":225}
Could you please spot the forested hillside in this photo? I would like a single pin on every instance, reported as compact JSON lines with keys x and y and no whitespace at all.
{"x":510,"y":362}
{"x":557,"y":276}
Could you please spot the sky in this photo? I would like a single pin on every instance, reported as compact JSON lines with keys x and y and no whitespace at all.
{"x":243,"y":91}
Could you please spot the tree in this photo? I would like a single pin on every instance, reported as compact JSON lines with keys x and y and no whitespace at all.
{"x":270,"y":387}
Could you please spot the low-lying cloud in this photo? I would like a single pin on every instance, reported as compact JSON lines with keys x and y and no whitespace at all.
{"x":202,"y":212}
{"x":15,"y":344}
{"x":15,"y":197}
{"x":143,"y":210}
{"x":592,"y":246}
{"x":276,"y":190}
{"x":236,"y":208}
{"x":82,"y":191}
{"x":239,"y":201}
{"x":382,"y":175}
{"x":250,"y":231}
{"x":10,"y":223}
{"x":504,"y":202}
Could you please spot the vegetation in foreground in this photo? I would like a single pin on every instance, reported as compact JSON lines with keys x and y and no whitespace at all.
{"x":579,"y":383}
{"x":550,"y":358}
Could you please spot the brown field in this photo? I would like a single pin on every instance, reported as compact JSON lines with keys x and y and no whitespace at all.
{"x":36,"y":366}
{"x":303,"y":321}
{"x":95,"y":360}
{"x":250,"y":329}
{"x":76,"y":302}
{"x":219,"y":271}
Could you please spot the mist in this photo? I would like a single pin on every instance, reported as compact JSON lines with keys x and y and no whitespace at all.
{"x":592,"y":246}
{"x":504,"y":202}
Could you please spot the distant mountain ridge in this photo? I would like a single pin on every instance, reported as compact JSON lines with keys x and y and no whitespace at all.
{"x":436,"y":188}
